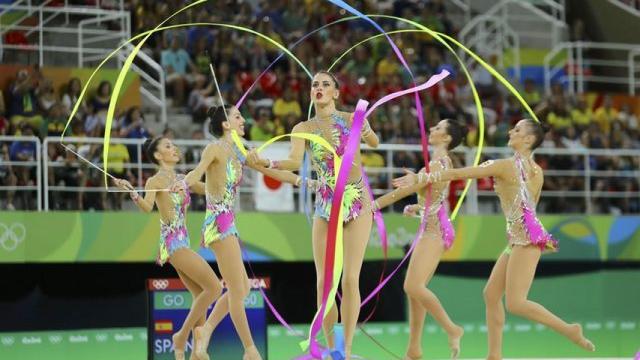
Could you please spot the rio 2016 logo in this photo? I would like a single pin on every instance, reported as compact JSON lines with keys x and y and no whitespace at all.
{"x":11,"y":236}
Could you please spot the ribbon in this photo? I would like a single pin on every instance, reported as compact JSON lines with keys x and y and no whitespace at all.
{"x":119,"y":82}
{"x":334,"y":250}
{"x":436,"y":35}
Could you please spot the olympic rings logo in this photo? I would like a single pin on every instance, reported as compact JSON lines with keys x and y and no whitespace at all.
{"x":160,"y":284}
{"x":11,"y":236}
{"x":7,"y":340}
{"x":55,"y":339}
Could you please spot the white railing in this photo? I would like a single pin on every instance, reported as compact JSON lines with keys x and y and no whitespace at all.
{"x":539,"y":22}
{"x":464,"y":7}
{"x":15,"y":6}
{"x":630,"y":6}
{"x":151,"y":87}
{"x":586,"y":194}
{"x":36,"y":162}
{"x":581,"y":61}
{"x":492,"y":35}
{"x":48,"y":13}
{"x":87,"y":37}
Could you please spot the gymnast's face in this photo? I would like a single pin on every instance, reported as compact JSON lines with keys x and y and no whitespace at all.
{"x":439,"y":134}
{"x":520,"y":136}
{"x":167,"y":152}
{"x":236,"y":121}
{"x":323,"y":89}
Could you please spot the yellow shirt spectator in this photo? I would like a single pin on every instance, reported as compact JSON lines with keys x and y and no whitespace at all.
{"x":387,"y":67}
{"x":558,"y":121}
{"x":604,"y":117}
{"x":581,"y":118}
{"x":372,"y":159}
{"x":283,"y":107}
{"x":532,"y":98}
{"x":118,"y":156}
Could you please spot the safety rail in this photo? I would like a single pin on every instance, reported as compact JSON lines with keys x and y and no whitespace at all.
{"x":463,"y":7}
{"x":584,"y":172}
{"x":42,"y":29}
{"x":5,"y":9}
{"x":152,"y":86}
{"x":493,"y":35}
{"x":91,"y":43}
{"x":543,"y":24}
{"x":581,"y":60}
{"x":36,"y":162}
{"x":630,"y":6}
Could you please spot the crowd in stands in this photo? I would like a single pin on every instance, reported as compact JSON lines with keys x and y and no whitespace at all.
{"x":280,"y":99}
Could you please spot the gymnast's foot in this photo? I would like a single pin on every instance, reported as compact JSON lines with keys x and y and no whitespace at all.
{"x":201,"y":336}
{"x":251,"y":353}
{"x":179,"y":344}
{"x":575,"y":335}
{"x":454,"y":341}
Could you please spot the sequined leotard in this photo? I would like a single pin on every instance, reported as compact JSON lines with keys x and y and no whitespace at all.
{"x":174,"y":235}
{"x":337,"y":133}
{"x":220,"y":218}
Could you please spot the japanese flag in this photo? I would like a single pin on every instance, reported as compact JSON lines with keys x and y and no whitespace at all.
{"x":271,"y":194}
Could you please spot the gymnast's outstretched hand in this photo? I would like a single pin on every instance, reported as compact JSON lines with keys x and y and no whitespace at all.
{"x":124,"y":184}
{"x":408,"y":179}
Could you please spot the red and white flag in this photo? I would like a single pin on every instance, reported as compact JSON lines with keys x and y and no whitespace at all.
{"x":271,"y":194}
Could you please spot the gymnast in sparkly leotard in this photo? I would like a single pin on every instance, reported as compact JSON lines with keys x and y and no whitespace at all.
{"x":172,"y":202}
{"x":518,"y":184}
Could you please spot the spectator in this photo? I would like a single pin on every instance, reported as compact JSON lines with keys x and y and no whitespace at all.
{"x":362,"y":63}
{"x":46,"y":95}
{"x":373,"y":160}
{"x":559,"y":117}
{"x":4,"y":123}
{"x":531,"y":94}
{"x":118,"y":158}
{"x":69,"y":174}
{"x":94,"y":122}
{"x":55,"y":121}
{"x":628,"y":119}
{"x":133,"y":128}
{"x":290,"y":120}
{"x":175,"y":62}
{"x":263,"y":129}
{"x":71,"y":96}
{"x":24,"y":102}
{"x":199,"y":34}
{"x":24,"y":151}
{"x":100,"y":101}
{"x":571,"y":139}
{"x":201,"y":59}
{"x":287,"y":105}
{"x":388,"y":66}
{"x":605,"y":115}
{"x":7,"y":176}
{"x":202,"y":98}
{"x":192,"y":156}
{"x":582,"y":115}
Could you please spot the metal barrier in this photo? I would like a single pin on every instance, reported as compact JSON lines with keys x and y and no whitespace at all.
{"x":508,"y":24}
{"x":36,"y":162}
{"x":46,"y":14}
{"x":578,"y":60}
{"x":93,"y":44}
{"x":630,"y":6}
{"x":584,"y":174}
